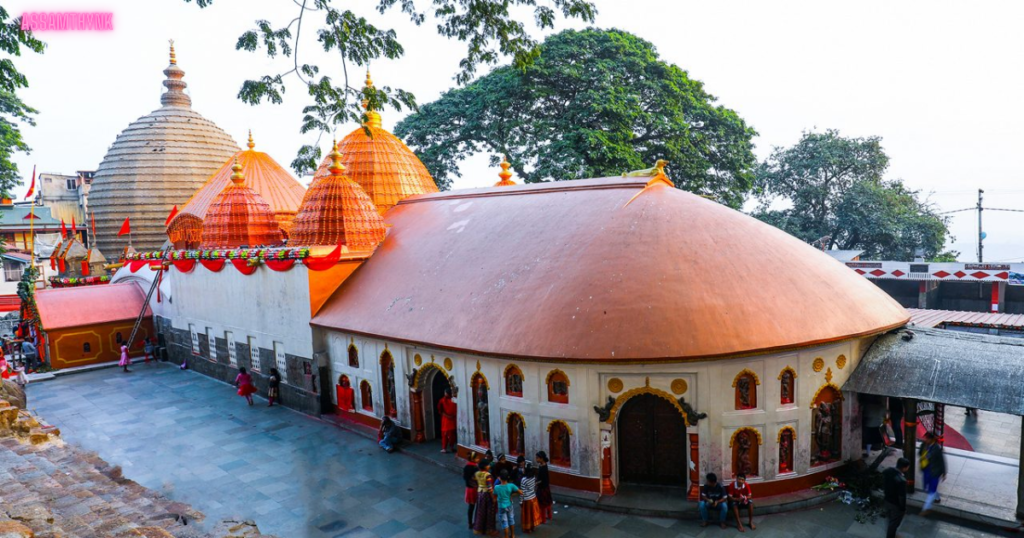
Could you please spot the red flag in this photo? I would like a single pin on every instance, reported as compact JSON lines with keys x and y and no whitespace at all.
{"x":32,"y":187}
{"x":74,"y":228}
{"x":126,"y":228}
{"x":174,"y":211}
{"x":92,"y":216}
{"x":63,"y":229}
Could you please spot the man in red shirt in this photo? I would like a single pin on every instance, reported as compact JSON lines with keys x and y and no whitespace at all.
{"x":740,"y":496}
{"x":447,"y":409}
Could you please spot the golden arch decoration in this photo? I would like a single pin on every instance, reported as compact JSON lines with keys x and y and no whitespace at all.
{"x":421,"y":373}
{"x":547,"y":380}
{"x":386,"y":355}
{"x":792,"y":430}
{"x":746,"y":371}
{"x":621,"y":400}
{"x":791,"y":370}
{"x":482,"y":377}
{"x":508,"y":419}
{"x":818,"y":392}
{"x":509,"y":368}
{"x":732,"y":439}
{"x":562,"y":422}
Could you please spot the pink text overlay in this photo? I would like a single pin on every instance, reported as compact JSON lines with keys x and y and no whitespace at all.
{"x":40,"y":21}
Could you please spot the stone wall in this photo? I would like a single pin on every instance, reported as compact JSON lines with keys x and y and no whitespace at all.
{"x":296,"y":391}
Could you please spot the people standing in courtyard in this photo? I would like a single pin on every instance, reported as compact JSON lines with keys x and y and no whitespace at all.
{"x":485,"y":518}
{"x":469,"y":480}
{"x":873,"y":419}
{"x":488,"y":458}
{"x":148,"y":346}
{"x":506,"y":513}
{"x":544,"y":499}
{"x":713,"y":499}
{"x":531,"y":508}
{"x":448,"y":411}
{"x":4,"y":367}
{"x":520,"y":471}
{"x":895,"y":489}
{"x":502,"y":465}
{"x":244,"y":383}
{"x":274,"y":385}
{"x":19,"y":376}
{"x":933,"y":465}
{"x":126,"y":361}
{"x":740,"y":496}
{"x":389,"y":435}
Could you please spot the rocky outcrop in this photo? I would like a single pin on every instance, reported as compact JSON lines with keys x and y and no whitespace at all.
{"x":13,"y":393}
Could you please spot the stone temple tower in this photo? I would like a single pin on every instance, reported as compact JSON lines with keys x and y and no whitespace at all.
{"x":157,"y":162}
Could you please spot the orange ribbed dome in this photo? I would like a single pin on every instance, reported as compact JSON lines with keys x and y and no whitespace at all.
{"x":239,"y":216}
{"x":386,"y":169}
{"x":262,"y":174}
{"x":337,"y":211}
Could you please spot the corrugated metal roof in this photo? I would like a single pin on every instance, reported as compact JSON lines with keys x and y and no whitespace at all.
{"x":933,"y":318}
{"x":950,"y":367}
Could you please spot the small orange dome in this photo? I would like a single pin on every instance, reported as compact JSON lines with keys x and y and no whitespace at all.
{"x":386,"y":169}
{"x":262,"y":174}
{"x":239,"y":216}
{"x":505,"y":175}
{"x":336,"y":210}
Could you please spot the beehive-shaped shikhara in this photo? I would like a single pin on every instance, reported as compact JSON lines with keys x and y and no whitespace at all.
{"x":262,"y":174}
{"x":239,"y":216}
{"x":386,"y":169}
{"x":505,"y":175}
{"x":335,"y":211}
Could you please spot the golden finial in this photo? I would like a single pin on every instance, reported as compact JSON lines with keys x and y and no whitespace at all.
{"x":505,"y":175}
{"x":336,"y":167}
{"x":174,"y":61}
{"x":251,"y":143}
{"x":369,"y":81}
{"x":237,"y":177}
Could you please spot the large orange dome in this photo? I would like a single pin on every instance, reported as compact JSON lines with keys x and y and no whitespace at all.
{"x":239,"y":216}
{"x":386,"y":169}
{"x":335,"y":211}
{"x":262,"y":174}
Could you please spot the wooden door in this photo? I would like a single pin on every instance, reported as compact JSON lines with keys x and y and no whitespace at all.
{"x":651,"y":442}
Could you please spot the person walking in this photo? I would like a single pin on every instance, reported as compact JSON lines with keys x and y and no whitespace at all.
{"x":894,"y":480}
{"x":544,"y":488}
{"x":448,"y":411}
{"x":274,"y":384}
{"x":469,"y":480}
{"x":933,"y":464}
{"x":506,"y":514}
{"x":126,"y":361}
{"x":148,"y":346}
{"x":486,"y":512}
{"x":244,"y":383}
{"x":531,"y":508}
{"x":740,"y":496}
{"x":713,"y":498}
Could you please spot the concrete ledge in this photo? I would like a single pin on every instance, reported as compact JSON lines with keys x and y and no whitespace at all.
{"x":32,"y":378}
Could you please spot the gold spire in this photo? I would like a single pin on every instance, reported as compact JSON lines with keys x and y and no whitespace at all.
{"x":336,"y":167}
{"x":369,"y":81}
{"x":372,"y":116}
{"x":175,"y":94}
{"x":237,"y":177}
{"x":174,"y":61}
{"x":251,"y":144}
{"x":505,"y":175}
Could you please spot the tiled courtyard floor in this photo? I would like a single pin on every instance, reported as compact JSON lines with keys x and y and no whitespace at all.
{"x":989,"y":433}
{"x":191,"y":438}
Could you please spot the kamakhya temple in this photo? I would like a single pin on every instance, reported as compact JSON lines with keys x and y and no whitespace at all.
{"x":635,"y":332}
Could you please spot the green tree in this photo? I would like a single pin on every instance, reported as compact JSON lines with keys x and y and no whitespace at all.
{"x":837,"y":197}
{"x":595,"y":103}
{"x":13,"y":112}
{"x":486,"y":26}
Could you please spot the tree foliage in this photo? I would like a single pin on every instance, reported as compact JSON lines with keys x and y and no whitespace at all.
{"x":838,"y":198}
{"x":13,"y":112}
{"x":486,"y":26}
{"x":595,"y":103}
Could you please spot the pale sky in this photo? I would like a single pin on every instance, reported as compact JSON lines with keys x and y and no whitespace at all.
{"x":939,"y":81}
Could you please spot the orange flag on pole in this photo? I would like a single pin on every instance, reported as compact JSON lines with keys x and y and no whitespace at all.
{"x":63,"y":229}
{"x":32,"y":187}
{"x":174,"y":211}
{"x":126,"y":228}
{"x":92,"y":217}
{"x":74,"y":227}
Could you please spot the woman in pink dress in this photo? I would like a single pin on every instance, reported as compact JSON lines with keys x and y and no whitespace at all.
{"x":244,"y":384}
{"x":126,"y":361}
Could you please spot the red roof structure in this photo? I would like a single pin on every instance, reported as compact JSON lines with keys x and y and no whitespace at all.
{"x":934,"y":318}
{"x":239,"y":217}
{"x":623,"y":269}
{"x":63,"y":308}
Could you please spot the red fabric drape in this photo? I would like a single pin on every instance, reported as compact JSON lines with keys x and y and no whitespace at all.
{"x":185,"y":266}
{"x":326,"y":262}
{"x":243,"y":266}
{"x":135,"y":265}
{"x":280,"y":265}
{"x":214,"y":265}
{"x":53,"y":263}
{"x":60,"y":264}
{"x":85,"y":267}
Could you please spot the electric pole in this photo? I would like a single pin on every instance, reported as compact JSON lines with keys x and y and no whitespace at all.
{"x":981,"y":234}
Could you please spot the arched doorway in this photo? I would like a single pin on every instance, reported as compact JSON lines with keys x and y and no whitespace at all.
{"x":651,"y":436}
{"x":433,"y":385}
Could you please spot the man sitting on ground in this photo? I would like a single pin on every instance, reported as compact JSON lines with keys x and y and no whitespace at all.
{"x":740,"y":496}
{"x":713,"y":499}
